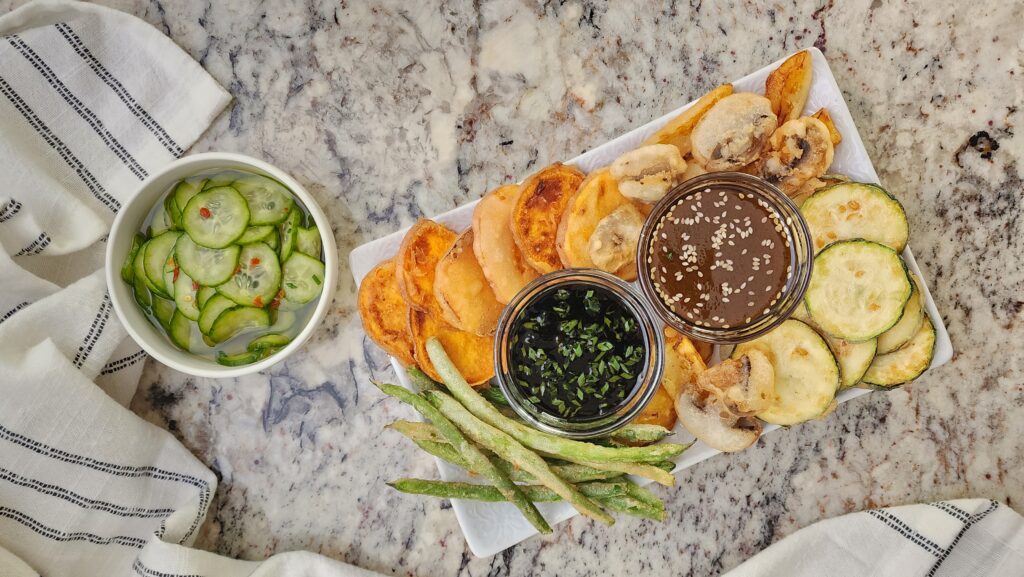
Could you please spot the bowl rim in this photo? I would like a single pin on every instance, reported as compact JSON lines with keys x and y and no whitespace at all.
{"x":121,"y":230}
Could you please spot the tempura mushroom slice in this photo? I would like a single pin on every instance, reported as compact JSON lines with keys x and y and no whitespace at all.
{"x":733,"y":133}
{"x":800,"y":150}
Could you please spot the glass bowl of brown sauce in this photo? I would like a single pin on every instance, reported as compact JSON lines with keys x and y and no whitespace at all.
{"x":724,"y":257}
{"x":578,"y":353}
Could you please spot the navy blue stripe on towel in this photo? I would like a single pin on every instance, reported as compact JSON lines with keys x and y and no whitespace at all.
{"x":81,"y":500}
{"x":57,"y":535}
{"x":81,"y":109}
{"x":59,"y":147}
{"x":133,"y":106}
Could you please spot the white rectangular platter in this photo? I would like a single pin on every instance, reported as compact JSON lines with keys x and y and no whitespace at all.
{"x":492,"y":527}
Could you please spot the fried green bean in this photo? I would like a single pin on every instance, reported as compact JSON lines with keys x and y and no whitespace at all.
{"x":575,"y":451}
{"x":506,"y":447}
{"x":421,"y":381}
{"x":477,"y":460}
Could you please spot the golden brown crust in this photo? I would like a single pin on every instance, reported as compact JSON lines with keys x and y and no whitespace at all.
{"x":537,"y":213}
{"x":596,"y":198}
{"x":416,"y":263}
{"x":677,"y":131}
{"x":471,"y":354}
{"x":500,"y":259}
{"x":467,"y":300}
{"x":384,"y":312}
{"x":788,"y":86}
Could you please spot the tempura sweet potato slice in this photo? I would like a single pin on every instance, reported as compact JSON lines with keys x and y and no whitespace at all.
{"x":826,"y":119}
{"x":472,"y":354}
{"x":660,"y":411}
{"x":788,"y":85}
{"x":416,"y":263}
{"x":677,"y":131}
{"x":500,"y":259}
{"x":536,"y":215}
{"x":596,"y":198}
{"x":384,"y":312}
{"x":683,"y":363}
{"x":467,"y":300}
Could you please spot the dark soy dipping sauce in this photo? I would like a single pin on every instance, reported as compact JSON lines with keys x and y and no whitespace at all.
{"x":577,"y":352}
{"x":719,"y":258}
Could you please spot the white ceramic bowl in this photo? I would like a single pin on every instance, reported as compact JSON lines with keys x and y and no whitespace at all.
{"x":129,"y":221}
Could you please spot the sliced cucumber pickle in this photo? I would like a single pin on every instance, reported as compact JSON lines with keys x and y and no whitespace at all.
{"x":163,"y":310}
{"x":308,"y":242}
{"x":303,"y":278}
{"x":181,"y":331}
{"x":858,"y":289}
{"x":216,"y":218}
{"x":269,"y":201}
{"x":186,"y":189}
{"x":271,"y":340}
{"x":204,"y":295}
{"x":213,"y":309}
{"x":246,"y":358}
{"x":233,"y":321}
{"x":289,"y":235}
{"x":806,"y":373}
{"x":173,"y":213}
{"x":157,"y":251}
{"x":128,"y":268}
{"x":206,"y":266}
{"x":186,"y":296}
{"x":257,"y":277}
{"x":256,"y":234}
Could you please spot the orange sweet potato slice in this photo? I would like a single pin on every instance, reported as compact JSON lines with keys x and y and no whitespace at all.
{"x":500,"y":259}
{"x":677,"y":131}
{"x":471,"y":354}
{"x":596,"y":198}
{"x":467,"y":300}
{"x":538,"y":211}
{"x":384,"y":312}
{"x":416,"y":263}
{"x":788,"y":86}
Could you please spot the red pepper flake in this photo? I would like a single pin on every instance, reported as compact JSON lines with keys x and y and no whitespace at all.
{"x":176,"y":271}
{"x":238,"y":268}
{"x":195,"y":286}
{"x":275,"y":303}
{"x":254,"y":261}
{"x":205,"y":212}
{"x":258,"y":301}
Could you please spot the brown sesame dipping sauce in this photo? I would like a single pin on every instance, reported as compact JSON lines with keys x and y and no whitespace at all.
{"x":720,"y":258}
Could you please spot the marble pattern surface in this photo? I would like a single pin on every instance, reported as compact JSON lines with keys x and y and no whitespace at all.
{"x":388,"y":111}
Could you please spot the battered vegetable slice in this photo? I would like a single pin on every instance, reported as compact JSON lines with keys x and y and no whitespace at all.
{"x":466,"y":299}
{"x":806,"y":373}
{"x":677,"y":131}
{"x":858,"y":289}
{"x":537,"y":213}
{"x":501,"y":261}
{"x":788,"y":86}
{"x":385,"y":313}
{"x":906,"y":364}
{"x":416,"y":263}
{"x":597,"y":197}
{"x":473,"y":355}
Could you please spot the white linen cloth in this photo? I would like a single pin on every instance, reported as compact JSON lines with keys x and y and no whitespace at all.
{"x":961,"y":538}
{"x":92,"y":101}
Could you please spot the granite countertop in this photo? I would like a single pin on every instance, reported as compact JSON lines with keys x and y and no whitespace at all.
{"x":395,"y":110}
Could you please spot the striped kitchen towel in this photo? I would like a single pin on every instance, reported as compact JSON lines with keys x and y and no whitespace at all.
{"x":962,"y":538}
{"x":92,"y":101}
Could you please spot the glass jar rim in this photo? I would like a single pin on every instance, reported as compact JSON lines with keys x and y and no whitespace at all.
{"x":642,"y":393}
{"x":792,"y":221}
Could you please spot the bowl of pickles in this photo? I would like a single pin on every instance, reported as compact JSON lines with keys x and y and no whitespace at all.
{"x":221,"y":265}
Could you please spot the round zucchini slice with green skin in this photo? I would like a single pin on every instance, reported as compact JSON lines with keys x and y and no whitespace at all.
{"x":158,"y":250}
{"x":303,"y":278}
{"x":906,"y":364}
{"x":246,"y":358}
{"x":186,"y":189}
{"x":206,"y":266}
{"x":858,"y":289}
{"x":256,"y":234}
{"x":257,"y":277}
{"x":853,"y":358}
{"x":186,"y":297}
{"x":233,"y":321}
{"x":180,"y":331}
{"x":902,"y":332}
{"x":308,"y":242}
{"x":271,"y":340}
{"x":163,"y":310}
{"x":806,"y":372}
{"x":216,"y":218}
{"x":270,"y":202}
{"x":213,"y":309}
{"x":852,"y":210}
{"x":204,"y":295}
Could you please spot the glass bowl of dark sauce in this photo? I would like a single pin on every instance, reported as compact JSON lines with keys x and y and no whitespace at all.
{"x":578,"y":353}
